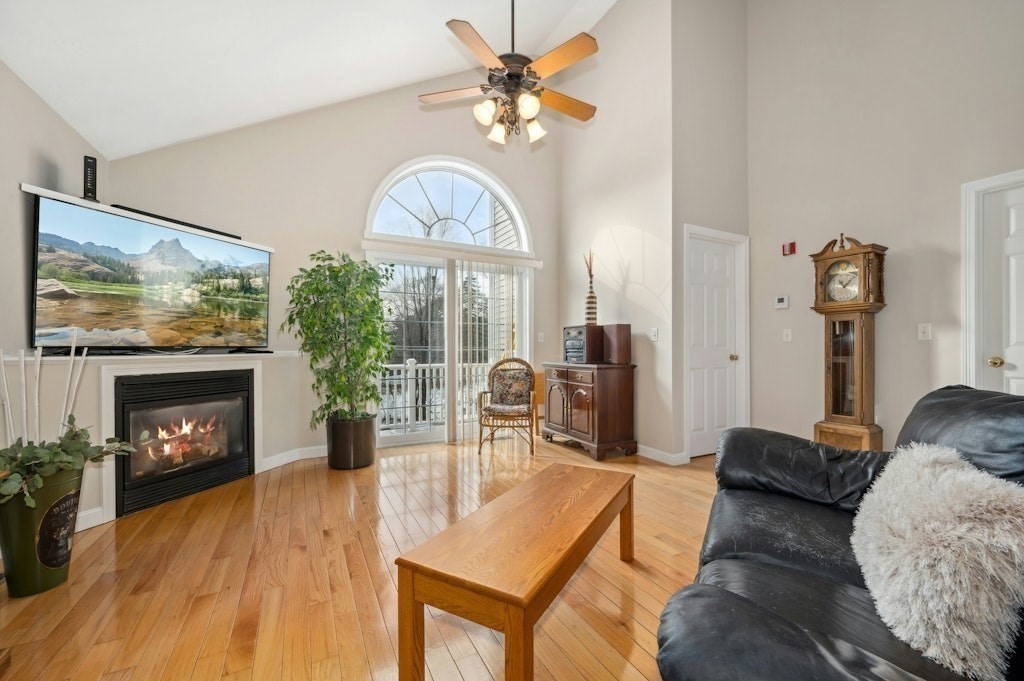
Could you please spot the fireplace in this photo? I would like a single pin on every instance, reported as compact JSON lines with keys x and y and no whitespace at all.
{"x":191,"y":431}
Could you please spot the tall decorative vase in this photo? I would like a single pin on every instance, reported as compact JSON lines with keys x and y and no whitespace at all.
{"x":591,"y":316}
{"x":36,"y":542}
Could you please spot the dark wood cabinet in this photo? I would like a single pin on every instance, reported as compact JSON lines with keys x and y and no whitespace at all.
{"x":591,"y":404}
{"x":555,"y":413}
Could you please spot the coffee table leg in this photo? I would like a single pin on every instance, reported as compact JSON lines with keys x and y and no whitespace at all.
{"x":518,"y":646}
{"x":410,"y":630}
{"x":626,"y":527}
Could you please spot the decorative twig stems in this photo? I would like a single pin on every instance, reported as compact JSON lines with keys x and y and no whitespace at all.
{"x":77,"y":382}
{"x":39,"y":366}
{"x":8,"y":417}
{"x":61,"y":417}
{"x":24,"y":396}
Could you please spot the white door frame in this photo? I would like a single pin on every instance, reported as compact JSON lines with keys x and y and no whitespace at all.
{"x":741,"y":249}
{"x":972,"y":261}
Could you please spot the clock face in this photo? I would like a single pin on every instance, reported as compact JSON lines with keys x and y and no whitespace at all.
{"x":842,"y":282}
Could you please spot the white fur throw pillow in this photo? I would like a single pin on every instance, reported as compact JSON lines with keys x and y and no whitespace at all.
{"x":941,"y":546}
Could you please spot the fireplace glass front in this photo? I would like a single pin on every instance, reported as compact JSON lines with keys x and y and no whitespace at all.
{"x":191,"y":431}
{"x":169,"y":439}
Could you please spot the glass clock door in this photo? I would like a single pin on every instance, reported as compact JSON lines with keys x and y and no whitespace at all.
{"x":842,"y":391}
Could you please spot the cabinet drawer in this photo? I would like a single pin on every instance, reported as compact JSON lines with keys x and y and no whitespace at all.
{"x":581,"y":375}
{"x":557,"y":374}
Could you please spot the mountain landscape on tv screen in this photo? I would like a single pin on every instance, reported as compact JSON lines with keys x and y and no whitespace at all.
{"x":164,"y":297}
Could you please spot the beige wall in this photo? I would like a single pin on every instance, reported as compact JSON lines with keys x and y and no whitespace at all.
{"x":709,"y":114}
{"x":305,"y":182}
{"x":857,"y":117}
{"x":39,"y":148}
{"x":866,"y":118}
{"x":617,"y":197}
{"x":709,"y":145}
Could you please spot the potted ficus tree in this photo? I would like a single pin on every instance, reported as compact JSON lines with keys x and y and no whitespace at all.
{"x":337,"y":313}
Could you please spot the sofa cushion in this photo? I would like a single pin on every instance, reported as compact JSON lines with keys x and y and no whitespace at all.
{"x":942,"y":549}
{"x":987,"y":428}
{"x":776,"y":529}
{"x":711,"y":634}
{"x":763,"y":460}
{"x":837,"y":610}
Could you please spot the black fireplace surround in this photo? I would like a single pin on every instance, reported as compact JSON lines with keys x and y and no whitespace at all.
{"x":191,"y":431}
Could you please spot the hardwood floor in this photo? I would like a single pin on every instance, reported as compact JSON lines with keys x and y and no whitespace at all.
{"x":290,"y":574}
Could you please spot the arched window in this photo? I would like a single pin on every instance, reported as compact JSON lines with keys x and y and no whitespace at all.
{"x":448,"y":200}
{"x":458,"y":250}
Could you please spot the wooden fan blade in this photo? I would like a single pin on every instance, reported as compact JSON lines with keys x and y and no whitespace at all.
{"x":471,"y":39}
{"x":449,"y":95}
{"x":565,"y":55}
{"x":567,"y":105}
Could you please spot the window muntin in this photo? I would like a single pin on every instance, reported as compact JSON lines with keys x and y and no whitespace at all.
{"x":447,"y":204}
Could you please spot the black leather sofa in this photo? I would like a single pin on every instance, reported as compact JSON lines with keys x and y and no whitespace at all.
{"x":779,"y":594}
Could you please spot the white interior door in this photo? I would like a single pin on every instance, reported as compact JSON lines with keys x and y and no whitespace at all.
{"x":715,"y":333}
{"x":1002,"y":342}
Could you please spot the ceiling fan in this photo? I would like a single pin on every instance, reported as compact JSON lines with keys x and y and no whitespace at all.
{"x":513,"y":83}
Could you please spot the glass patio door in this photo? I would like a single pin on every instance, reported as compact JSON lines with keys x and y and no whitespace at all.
{"x":488,"y":313}
{"x":413,"y":388}
{"x":448,"y":318}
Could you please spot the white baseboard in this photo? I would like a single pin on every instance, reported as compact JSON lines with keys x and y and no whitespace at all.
{"x":90,"y":517}
{"x":291,"y":456}
{"x":677,"y":459}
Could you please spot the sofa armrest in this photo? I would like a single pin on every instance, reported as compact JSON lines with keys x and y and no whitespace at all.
{"x":763,"y":460}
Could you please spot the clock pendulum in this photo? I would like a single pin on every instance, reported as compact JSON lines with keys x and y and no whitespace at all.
{"x":849,"y":291}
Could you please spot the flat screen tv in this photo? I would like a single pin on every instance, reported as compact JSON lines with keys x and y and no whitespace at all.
{"x":111,"y":279}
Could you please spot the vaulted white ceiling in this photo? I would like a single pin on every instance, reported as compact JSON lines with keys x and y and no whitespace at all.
{"x":135,"y":75}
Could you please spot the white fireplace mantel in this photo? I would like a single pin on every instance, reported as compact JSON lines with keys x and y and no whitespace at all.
{"x":106,"y":510}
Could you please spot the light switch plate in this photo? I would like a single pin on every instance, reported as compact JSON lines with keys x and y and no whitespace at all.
{"x":924,"y":331}
{"x":781,"y":302}
{"x":787,"y":335}
{"x":654,"y":334}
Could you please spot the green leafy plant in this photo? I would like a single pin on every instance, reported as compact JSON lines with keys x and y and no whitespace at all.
{"x":24,"y":466}
{"x":337,"y":313}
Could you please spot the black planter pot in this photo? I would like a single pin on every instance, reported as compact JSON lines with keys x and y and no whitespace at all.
{"x":351,"y":444}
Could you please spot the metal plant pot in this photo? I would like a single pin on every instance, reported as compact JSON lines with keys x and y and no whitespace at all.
{"x":351,"y":444}
{"x":36,"y":542}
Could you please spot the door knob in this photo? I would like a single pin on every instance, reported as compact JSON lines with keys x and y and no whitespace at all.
{"x":996,"y":362}
{"x":734,"y":358}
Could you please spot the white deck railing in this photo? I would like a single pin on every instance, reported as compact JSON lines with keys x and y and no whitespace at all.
{"x":414,"y":396}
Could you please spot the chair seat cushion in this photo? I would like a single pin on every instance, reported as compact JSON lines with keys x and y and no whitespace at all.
{"x":776,"y":529}
{"x":511,"y":386}
{"x":507,"y":410}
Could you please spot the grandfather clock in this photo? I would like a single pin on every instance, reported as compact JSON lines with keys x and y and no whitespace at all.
{"x":848,"y":290}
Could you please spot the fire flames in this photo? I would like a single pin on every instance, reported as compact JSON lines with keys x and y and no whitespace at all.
{"x":191,"y":440}
{"x":186,"y":428}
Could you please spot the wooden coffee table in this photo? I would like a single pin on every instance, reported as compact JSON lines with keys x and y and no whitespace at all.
{"x":502,"y":565}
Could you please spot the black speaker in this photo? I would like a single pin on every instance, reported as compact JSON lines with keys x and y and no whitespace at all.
{"x":89,"y":179}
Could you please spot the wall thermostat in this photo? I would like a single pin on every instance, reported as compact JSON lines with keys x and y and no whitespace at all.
{"x":781,"y":302}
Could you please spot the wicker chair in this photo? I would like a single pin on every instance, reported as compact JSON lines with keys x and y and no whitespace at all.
{"x":509,"y":401}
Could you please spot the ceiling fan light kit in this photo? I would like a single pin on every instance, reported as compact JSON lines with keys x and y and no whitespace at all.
{"x":534,"y":130}
{"x":485,"y":110}
{"x":529,"y":105}
{"x":513,"y":90}
{"x":498,"y":133}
